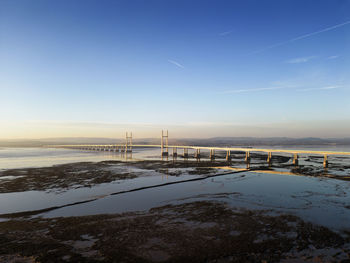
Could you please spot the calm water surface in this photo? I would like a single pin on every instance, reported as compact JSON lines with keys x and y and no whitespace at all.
{"x":39,"y":157}
{"x":11,"y":158}
{"x":319,"y":200}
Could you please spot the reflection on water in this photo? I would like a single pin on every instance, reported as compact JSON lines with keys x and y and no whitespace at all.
{"x":39,"y":157}
{"x":11,"y":158}
{"x":317,"y":199}
{"x":321,"y":201}
{"x":36,"y":200}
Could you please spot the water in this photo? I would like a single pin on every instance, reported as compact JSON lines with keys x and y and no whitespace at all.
{"x":37,"y":200}
{"x":11,"y":158}
{"x":321,"y":201}
{"x":316,"y":199}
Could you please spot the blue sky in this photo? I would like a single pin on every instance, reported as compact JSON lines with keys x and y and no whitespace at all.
{"x":94,"y":68}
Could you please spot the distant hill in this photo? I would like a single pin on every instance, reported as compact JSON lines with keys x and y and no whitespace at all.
{"x":216,"y":141}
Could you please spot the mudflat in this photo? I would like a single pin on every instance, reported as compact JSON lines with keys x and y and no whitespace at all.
{"x":215,"y":223}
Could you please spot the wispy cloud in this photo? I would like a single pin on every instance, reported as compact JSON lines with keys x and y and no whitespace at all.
{"x":303,"y":37}
{"x":251,"y":90}
{"x":333,"y":57}
{"x":225,"y":33}
{"x":300,"y":60}
{"x":175,"y":63}
{"x":321,"y":88}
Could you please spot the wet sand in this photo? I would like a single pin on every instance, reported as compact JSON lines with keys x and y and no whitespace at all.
{"x":191,"y":232}
{"x":176,"y":211}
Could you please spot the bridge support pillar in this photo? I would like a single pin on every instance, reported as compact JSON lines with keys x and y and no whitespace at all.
{"x":228,"y":156}
{"x":325,"y":161}
{"x":212,"y":154}
{"x":295,"y":159}
{"x":269,"y":158}
{"x":247,"y":157}
{"x":185,"y":152}
{"x":198,"y":153}
{"x":174,"y":152}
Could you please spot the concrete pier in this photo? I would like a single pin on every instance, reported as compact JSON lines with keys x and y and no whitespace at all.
{"x":325,"y":161}
{"x":228,"y":156}
{"x":198,"y":153}
{"x":295,"y":159}
{"x":185,"y":153}
{"x":269,"y":158}
{"x":247,"y":157}
{"x":212,"y":154}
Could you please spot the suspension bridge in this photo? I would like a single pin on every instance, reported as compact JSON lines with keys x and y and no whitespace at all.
{"x":165,"y":149}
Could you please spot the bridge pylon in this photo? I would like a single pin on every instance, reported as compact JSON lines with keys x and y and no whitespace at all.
{"x":164,"y":143}
{"x":128,"y":142}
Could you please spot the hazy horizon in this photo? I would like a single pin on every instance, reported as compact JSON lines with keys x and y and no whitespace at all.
{"x":338,"y":129}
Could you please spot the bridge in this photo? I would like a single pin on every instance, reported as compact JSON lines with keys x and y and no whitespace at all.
{"x":164,"y":147}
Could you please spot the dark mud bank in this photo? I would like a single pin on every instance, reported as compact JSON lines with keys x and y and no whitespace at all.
{"x":192,"y":232}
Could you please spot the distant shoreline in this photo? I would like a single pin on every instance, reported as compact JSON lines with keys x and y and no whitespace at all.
{"x":217,"y":141}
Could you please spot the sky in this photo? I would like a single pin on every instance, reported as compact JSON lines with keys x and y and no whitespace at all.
{"x":198,"y":68}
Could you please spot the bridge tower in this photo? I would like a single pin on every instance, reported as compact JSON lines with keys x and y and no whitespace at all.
{"x":128,"y":142}
{"x":164,"y":143}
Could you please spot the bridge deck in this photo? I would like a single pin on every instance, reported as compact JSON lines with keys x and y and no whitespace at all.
{"x":290,"y":151}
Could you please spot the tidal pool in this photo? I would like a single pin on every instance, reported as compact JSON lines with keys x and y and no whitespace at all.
{"x":319,"y":200}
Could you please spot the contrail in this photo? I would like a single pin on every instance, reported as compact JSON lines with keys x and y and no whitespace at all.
{"x":300,"y":60}
{"x":302,"y":37}
{"x":225,"y":33}
{"x":175,"y":63}
{"x":322,"y":88}
{"x":251,"y":90}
